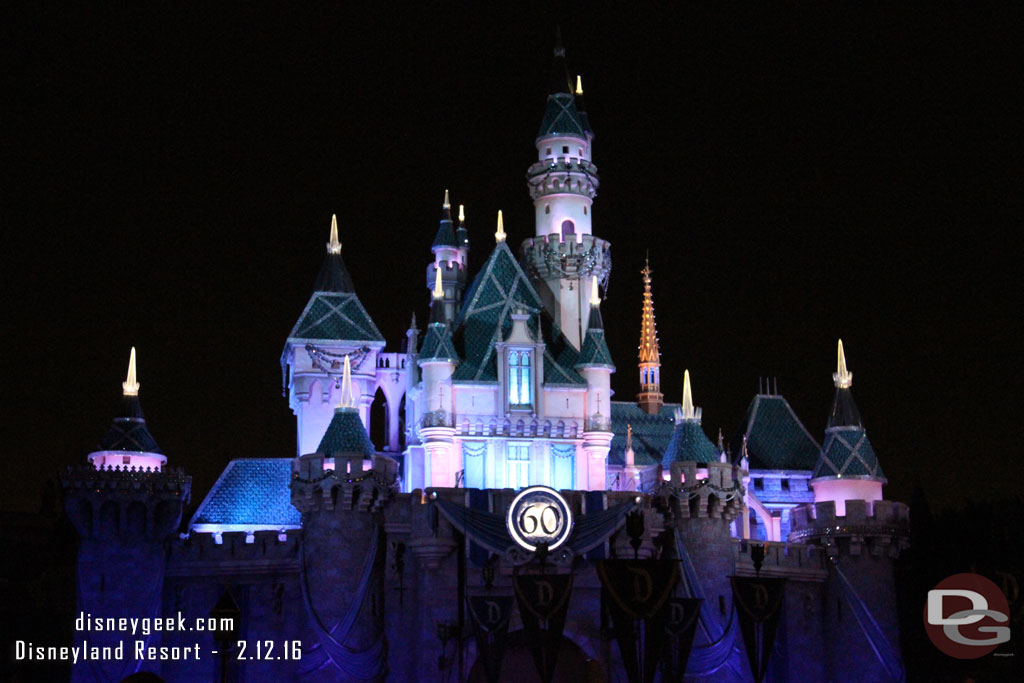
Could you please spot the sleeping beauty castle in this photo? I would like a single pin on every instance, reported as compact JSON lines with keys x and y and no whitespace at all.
{"x":513,"y":522}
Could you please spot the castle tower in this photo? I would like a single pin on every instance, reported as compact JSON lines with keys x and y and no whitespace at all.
{"x":596,"y":366}
{"x":340,"y":490}
{"x":125,"y":505}
{"x":847,"y":468}
{"x":563,"y":182}
{"x":128,"y":443}
{"x":437,"y":361}
{"x":862,"y":536}
{"x":333,"y":326}
{"x":451,"y":249}
{"x":650,"y":397}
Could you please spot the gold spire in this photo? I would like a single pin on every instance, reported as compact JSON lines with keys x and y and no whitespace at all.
{"x":334,"y":246}
{"x":842,"y":377}
{"x":499,"y":235}
{"x":595,"y":298}
{"x":347,"y":399}
{"x":447,"y":204}
{"x":462,"y":213}
{"x":688,"y":409}
{"x":579,"y":85}
{"x":438,"y":288}
{"x":130,"y":387}
{"x":648,"y":333}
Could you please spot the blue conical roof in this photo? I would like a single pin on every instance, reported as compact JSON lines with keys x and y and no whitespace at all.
{"x":128,"y":431}
{"x":346,"y":434}
{"x":689,"y":442}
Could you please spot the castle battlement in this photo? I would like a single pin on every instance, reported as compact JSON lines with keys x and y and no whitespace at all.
{"x":717,"y":495}
{"x":349,"y":486}
{"x":127,"y":480}
{"x":551,"y":256}
{"x":228,"y":551}
{"x":781,"y":560}
{"x":882,"y":524}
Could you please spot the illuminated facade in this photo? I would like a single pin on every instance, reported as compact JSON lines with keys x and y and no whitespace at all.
{"x":499,"y":427}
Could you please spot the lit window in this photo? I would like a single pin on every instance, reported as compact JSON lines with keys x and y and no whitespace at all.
{"x":520,"y":379}
{"x":518,"y":466}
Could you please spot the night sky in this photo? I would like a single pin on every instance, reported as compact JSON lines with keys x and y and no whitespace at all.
{"x":798,"y":175}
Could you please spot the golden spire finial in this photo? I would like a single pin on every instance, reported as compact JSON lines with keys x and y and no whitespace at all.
{"x":649,"y":352}
{"x":130,"y":387}
{"x":446,"y":204}
{"x":499,"y":235}
{"x":438,"y":287}
{"x":687,"y":397}
{"x":462,"y":213}
{"x":842,"y":377}
{"x":595,"y":297}
{"x":579,"y":85}
{"x":347,"y":399}
{"x":334,"y":246}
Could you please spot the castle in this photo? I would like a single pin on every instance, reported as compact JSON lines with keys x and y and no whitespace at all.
{"x":494,"y":532}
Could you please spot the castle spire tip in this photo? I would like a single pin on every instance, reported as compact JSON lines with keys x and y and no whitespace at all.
{"x":842,"y":377}
{"x":348,"y":399}
{"x":334,"y":246}
{"x":579,"y":84}
{"x":446,"y":203}
{"x":595,"y":297}
{"x":438,"y":292}
{"x":462,"y":213}
{"x":130,"y":387}
{"x":499,"y":235}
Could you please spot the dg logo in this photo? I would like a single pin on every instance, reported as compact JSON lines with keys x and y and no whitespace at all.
{"x":539,"y":515}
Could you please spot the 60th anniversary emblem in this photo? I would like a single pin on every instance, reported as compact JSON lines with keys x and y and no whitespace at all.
{"x":539,"y":515}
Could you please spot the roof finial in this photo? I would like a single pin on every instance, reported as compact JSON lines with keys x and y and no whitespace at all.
{"x":499,"y":235}
{"x":462,"y":213}
{"x":447,"y":204}
{"x":438,"y":287}
{"x":595,"y":298}
{"x":842,"y":377}
{"x":579,"y":84}
{"x":334,"y":246}
{"x":130,"y":387}
{"x":348,"y":399}
{"x":688,"y":411}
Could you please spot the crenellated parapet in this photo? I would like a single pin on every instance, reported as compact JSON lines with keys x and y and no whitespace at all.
{"x":881,"y":527}
{"x":233,"y":552}
{"x":716,"y":495}
{"x":780,"y":560}
{"x":561,"y":175}
{"x":549,"y":257}
{"x":125,"y":502}
{"x":348,"y":486}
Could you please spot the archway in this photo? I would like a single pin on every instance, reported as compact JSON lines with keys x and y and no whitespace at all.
{"x":574,"y":665}
{"x":379,"y":420}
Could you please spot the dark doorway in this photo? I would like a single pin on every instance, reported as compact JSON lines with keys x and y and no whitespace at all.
{"x":379,"y":420}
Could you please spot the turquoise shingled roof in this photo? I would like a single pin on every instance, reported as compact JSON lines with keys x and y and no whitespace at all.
{"x":595,"y":350}
{"x":561,"y":117}
{"x":776,"y":439}
{"x":499,"y":289}
{"x":848,"y":452}
{"x":689,"y":442}
{"x":335,"y":316}
{"x":251,"y":491}
{"x":438,"y":344}
{"x":346,"y":434}
{"x":651,"y":433}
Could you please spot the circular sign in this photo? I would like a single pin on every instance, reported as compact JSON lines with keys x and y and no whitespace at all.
{"x":967,"y":616}
{"x":537,"y":515}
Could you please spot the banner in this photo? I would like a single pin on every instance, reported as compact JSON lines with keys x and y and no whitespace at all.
{"x":543,"y":603}
{"x":759,"y":606}
{"x":681,"y":619}
{"x":491,"y":614}
{"x":639,"y":591}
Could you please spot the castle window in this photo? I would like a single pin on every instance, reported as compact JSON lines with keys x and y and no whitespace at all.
{"x":584,"y":211}
{"x":518,"y":465}
{"x":520,"y":379}
{"x":785,"y":484}
{"x":565,"y":149}
{"x":547,"y":152}
{"x":568,"y":228}
{"x":547,"y":208}
{"x":581,"y":153}
{"x":758,"y":483}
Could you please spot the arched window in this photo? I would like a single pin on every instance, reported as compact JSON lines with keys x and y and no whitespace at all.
{"x":547,"y":208}
{"x":568,"y":228}
{"x":520,"y":379}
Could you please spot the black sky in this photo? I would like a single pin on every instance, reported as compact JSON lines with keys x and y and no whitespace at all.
{"x":798,"y":174}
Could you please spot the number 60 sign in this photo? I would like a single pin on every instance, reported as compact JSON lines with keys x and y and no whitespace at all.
{"x":539,"y":515}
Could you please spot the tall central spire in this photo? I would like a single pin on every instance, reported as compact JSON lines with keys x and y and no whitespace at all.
{"x":650,"y":397}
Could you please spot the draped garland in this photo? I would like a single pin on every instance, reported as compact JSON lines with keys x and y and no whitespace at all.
{"x":474,"y":449}
{"x":561,"y":450}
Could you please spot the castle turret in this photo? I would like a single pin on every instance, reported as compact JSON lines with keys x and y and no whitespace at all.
{"x":847,"y":468}
{"x":596,"y":366}
{"x":437,"y":361}
{"x":689,"y":443}
{"x":862,"y":536}
{"x":450,"y":248}
{"x":125,"y":505}
{"x":333,"y":326}
{"x":563,"y":182}
{"x":128,"y":442}
{"x":650,"y":398}
{"x":340,"y":490}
